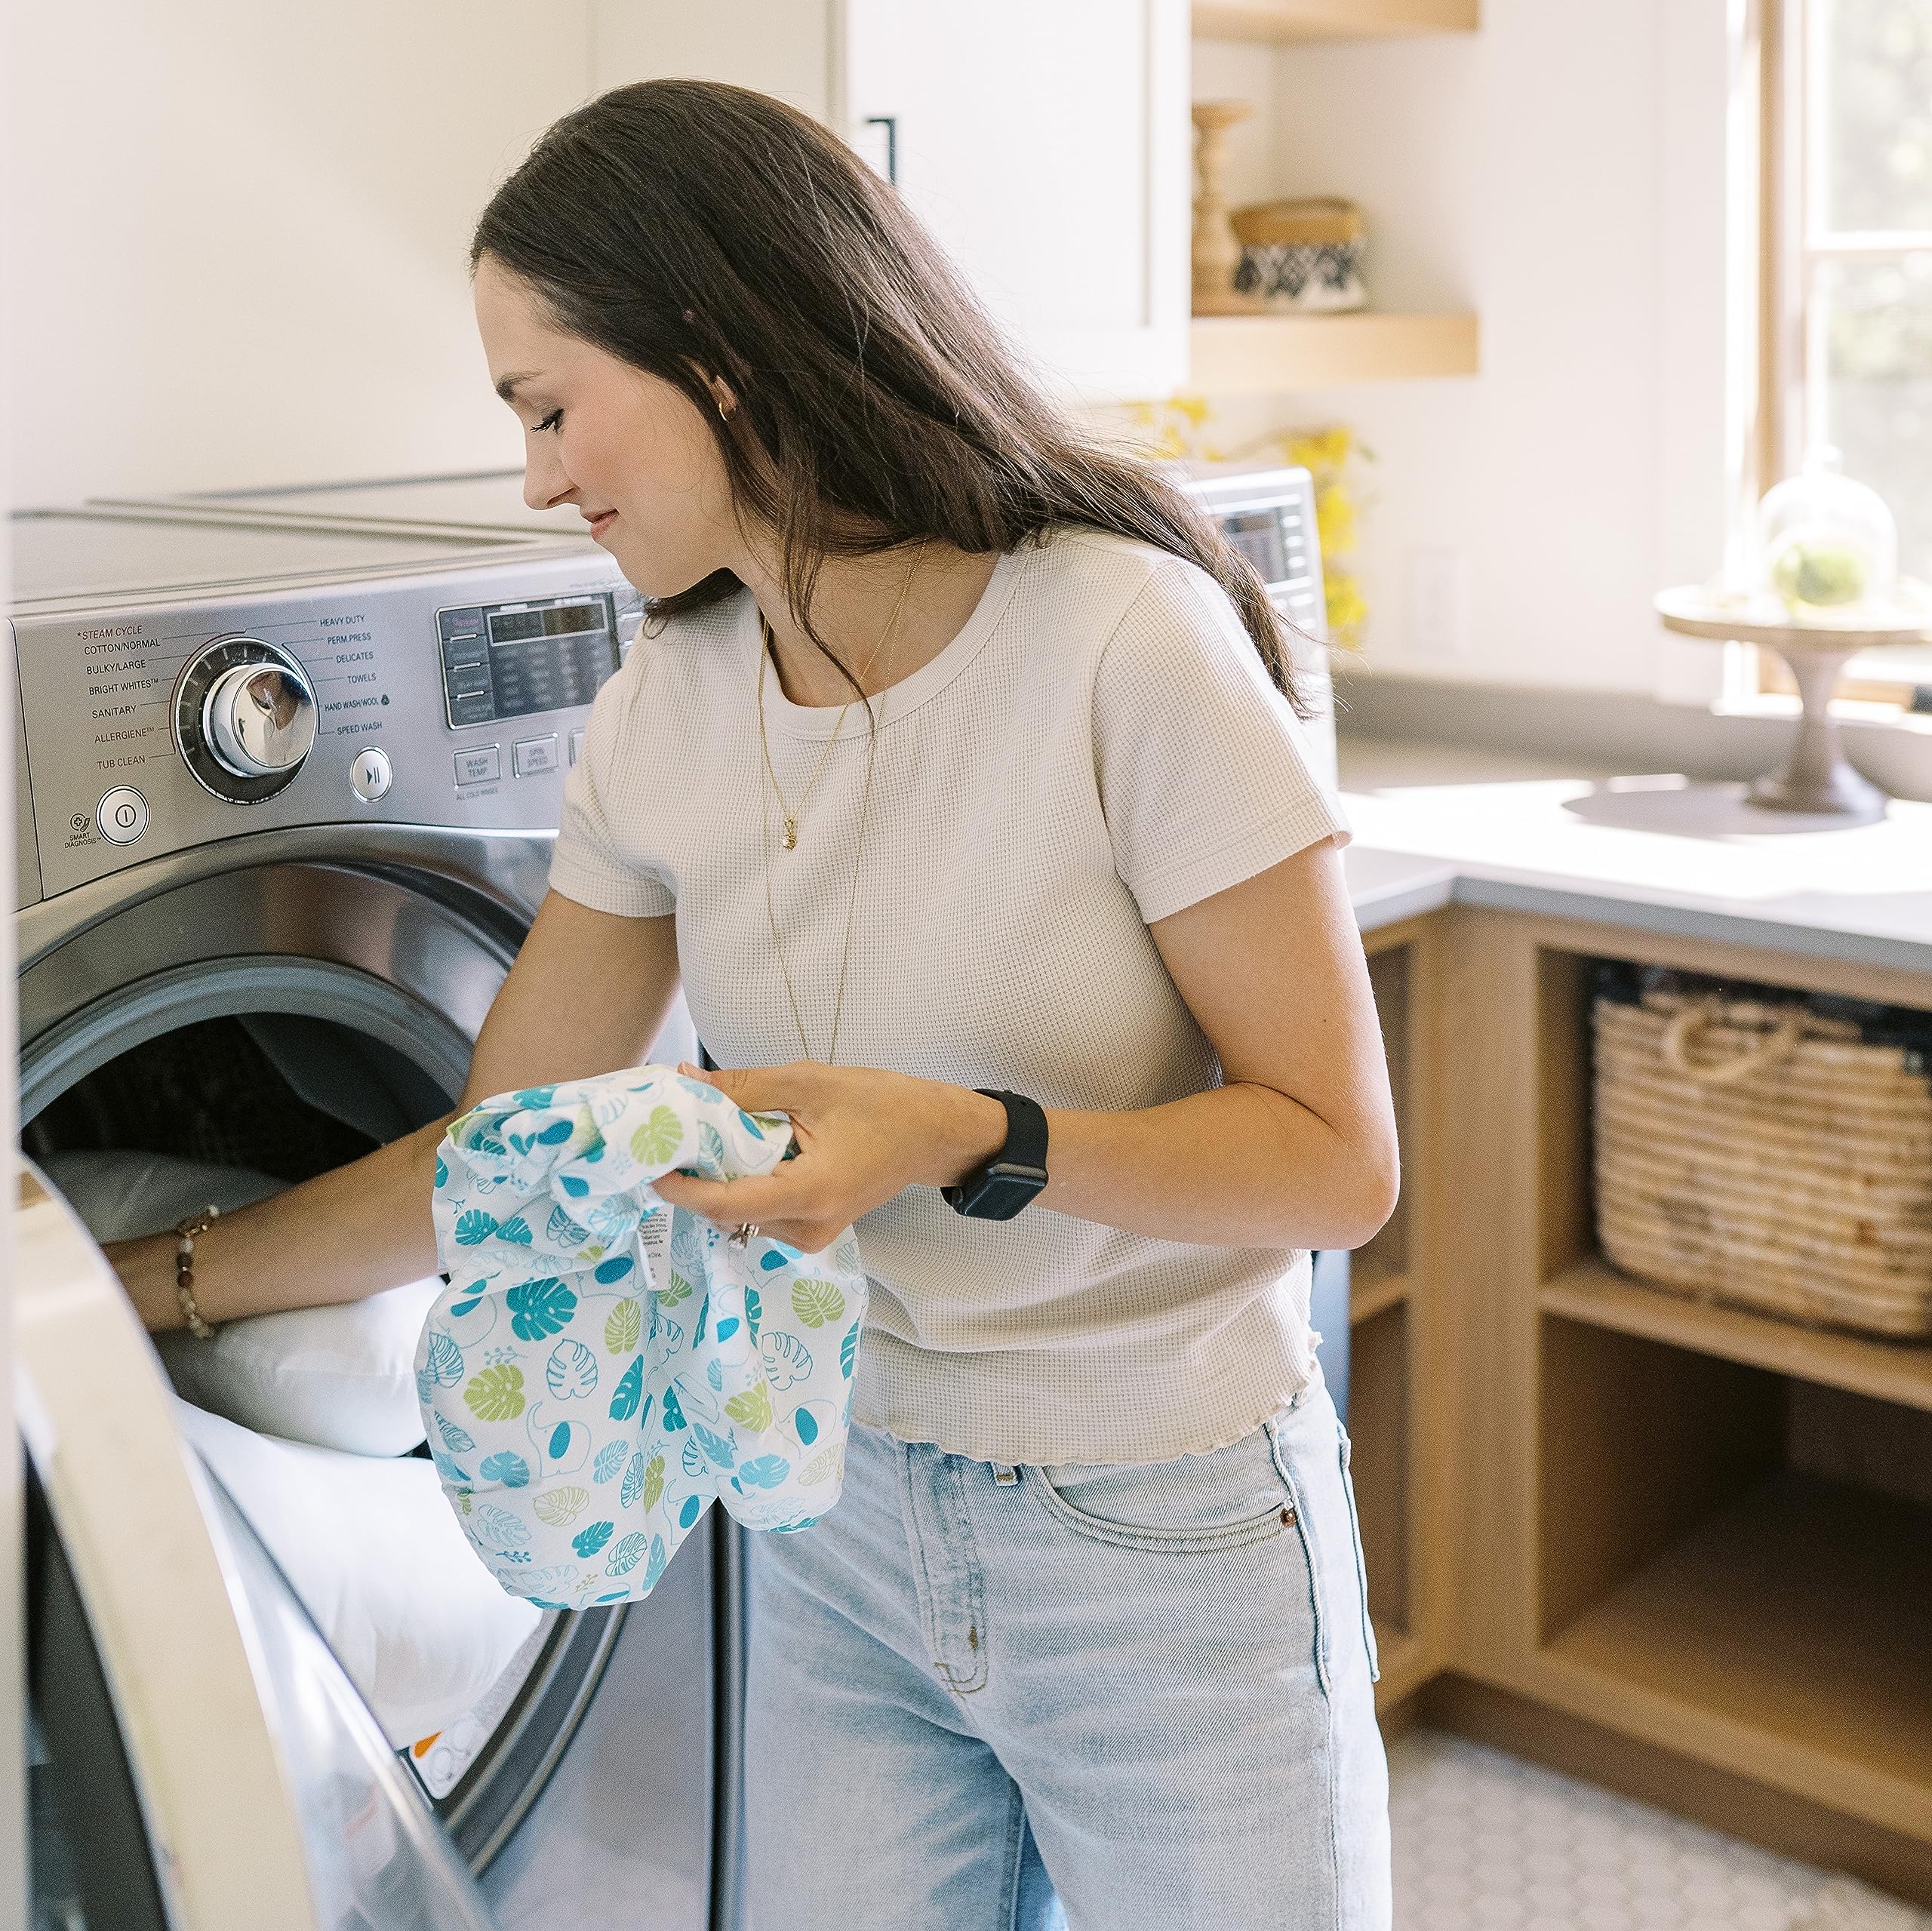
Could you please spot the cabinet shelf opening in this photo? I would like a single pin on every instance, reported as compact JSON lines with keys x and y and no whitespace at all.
{"x":1748,"y":1547}
{"x":1379,"y":1377}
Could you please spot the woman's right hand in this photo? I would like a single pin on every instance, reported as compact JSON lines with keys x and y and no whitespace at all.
{"x":589,"y":994}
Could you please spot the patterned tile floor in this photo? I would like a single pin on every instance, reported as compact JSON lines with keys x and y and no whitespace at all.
{"x":1485,"y":1842}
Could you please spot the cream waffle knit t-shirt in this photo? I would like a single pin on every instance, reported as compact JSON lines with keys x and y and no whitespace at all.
{"x":1100,"y":747}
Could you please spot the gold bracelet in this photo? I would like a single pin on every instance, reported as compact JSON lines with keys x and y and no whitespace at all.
{"x":185,"y":1233}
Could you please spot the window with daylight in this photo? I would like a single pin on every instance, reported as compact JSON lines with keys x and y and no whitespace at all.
{"x":1848,"y":261}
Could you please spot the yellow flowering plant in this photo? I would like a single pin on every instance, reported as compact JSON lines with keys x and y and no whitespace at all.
{"x":1179,"y":430}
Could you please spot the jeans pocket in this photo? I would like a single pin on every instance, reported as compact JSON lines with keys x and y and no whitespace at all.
{"x":1225,"y":1500}
{"x":1311,"y":1448}
{"x":1362,"y":1564}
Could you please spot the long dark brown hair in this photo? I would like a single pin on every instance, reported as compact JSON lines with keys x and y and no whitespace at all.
{"x":693,"y":229}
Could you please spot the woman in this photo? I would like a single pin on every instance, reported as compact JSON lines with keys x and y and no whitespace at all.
{"x":961,"y":758}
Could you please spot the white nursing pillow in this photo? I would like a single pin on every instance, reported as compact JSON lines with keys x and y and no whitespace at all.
{"x":339,"y":1377}
{"x":373,"y":1551}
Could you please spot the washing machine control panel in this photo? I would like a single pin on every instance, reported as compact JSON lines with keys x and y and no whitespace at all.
{"x":245,"y":718}
{"x":513,"y":659}
{"x":453,"y":698}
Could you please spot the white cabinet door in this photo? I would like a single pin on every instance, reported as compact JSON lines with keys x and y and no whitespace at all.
{"x":1045,"y":142}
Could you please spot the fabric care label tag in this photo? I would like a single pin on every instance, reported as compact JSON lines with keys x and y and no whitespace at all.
{"x":603,"y":1365}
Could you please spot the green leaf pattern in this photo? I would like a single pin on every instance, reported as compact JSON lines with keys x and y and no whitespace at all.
{"x":581,"y":1400}
{"x":815,"y":1303}
{"x":660,"y":1136}
{"x":621,"y":1327}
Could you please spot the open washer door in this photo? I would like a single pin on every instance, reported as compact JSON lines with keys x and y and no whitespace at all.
{"x":384,"y":977}
{"x":198,"y":1760}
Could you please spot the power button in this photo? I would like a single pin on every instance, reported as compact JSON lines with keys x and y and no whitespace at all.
{"x":122,"y":815}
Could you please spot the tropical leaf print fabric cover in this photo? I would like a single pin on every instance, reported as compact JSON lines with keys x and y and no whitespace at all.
{"x":602,"y":1365}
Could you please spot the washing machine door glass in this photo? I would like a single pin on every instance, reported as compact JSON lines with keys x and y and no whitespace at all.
{"x":377,"y":1856}
{"x":88,"y":1860}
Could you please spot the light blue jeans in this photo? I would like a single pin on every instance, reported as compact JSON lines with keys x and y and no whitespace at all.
{"x":1146,"y":1688}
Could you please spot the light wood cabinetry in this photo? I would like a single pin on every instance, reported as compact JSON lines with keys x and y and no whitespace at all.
{"x":1269,"y":353}
{"x":1680,"y":1549}
{"x":1395,"y":1404}
{"x":1256,"y":354}
{"x":1292,"y":20}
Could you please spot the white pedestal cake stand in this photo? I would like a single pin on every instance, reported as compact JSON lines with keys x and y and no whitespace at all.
{"x":1816,"y":778}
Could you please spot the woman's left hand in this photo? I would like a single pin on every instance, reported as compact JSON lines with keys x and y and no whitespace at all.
{"x":863,"y":1135}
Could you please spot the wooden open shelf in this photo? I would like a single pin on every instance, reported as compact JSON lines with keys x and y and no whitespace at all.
{"x":1703,"y":1534}
{"x":1595,"y":1292}
{"x":1371,"y":1294}
{"x":1260,"y":354}
{"x":1405,"y":1666}
{"x":1381,"y":1371}
{"x":1802,"y":1612}
{"x":1394,"y":1394}
{"x":1294,"y":20}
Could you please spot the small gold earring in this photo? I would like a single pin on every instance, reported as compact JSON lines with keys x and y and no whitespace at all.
{"x":723,"y":414}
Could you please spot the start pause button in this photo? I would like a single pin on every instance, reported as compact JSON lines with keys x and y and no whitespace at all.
{"x":122,"y":815}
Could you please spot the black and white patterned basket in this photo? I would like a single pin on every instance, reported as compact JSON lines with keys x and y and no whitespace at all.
{"x":1325,"y":277}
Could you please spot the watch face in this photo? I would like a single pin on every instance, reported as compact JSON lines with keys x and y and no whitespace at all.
{"x":1003,"y":1195}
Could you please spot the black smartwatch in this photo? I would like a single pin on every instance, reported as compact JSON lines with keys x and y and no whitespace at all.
{"x":1000,"y":1189}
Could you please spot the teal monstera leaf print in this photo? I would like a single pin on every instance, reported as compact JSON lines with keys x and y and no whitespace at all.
{"x":593,"y":1539}
{"x":630,"y":1392}
{"x":571,"y":1371}
{"x":562,"y":1231}
{"x":619,"y":1368}
{"x":442,"y":1360}
{"x":626,"y":1555}
{"x":539,"y":1308}
{"x":474,"y":1228}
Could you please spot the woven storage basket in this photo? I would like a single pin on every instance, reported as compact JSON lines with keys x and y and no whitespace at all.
{"x":1770,"y":1151}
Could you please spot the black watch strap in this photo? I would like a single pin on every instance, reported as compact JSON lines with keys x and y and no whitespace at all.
{"x":1026,"y":1128}
{"x":1000,"y":1189}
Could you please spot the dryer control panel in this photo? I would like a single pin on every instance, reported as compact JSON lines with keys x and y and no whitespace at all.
{"x":455,"y":697}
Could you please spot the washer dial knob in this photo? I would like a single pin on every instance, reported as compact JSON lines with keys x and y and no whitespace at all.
{"x":260,"y":719}
{"x":245,"y":718}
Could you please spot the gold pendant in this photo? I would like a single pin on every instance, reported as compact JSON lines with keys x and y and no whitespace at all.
{"x":791,"y":834}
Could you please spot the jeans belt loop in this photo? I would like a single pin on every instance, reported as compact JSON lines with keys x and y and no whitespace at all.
{"x":1004,"y":1474}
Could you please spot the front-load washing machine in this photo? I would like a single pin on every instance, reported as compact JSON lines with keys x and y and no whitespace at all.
{"x":276,"y":951}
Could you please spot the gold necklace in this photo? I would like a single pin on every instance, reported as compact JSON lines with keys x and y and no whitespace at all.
{"x":791,"y":838}
{"x":852,"y":900}
{"x":767,"y":644}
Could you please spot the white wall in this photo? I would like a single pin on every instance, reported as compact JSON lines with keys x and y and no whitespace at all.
{"x":239,"y":233}
{"x":1560,"y":172}
{"x":786,"y":50}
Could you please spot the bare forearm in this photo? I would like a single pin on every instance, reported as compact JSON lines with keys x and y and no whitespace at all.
{"x":1239,"y":1166}
{"x":344,"y":1235}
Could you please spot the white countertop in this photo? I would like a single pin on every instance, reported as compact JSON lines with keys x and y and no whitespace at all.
{"x":1434,"y":823}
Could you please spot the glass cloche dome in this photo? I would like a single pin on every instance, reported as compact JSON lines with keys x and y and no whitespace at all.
{"x":1827,"y":546}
